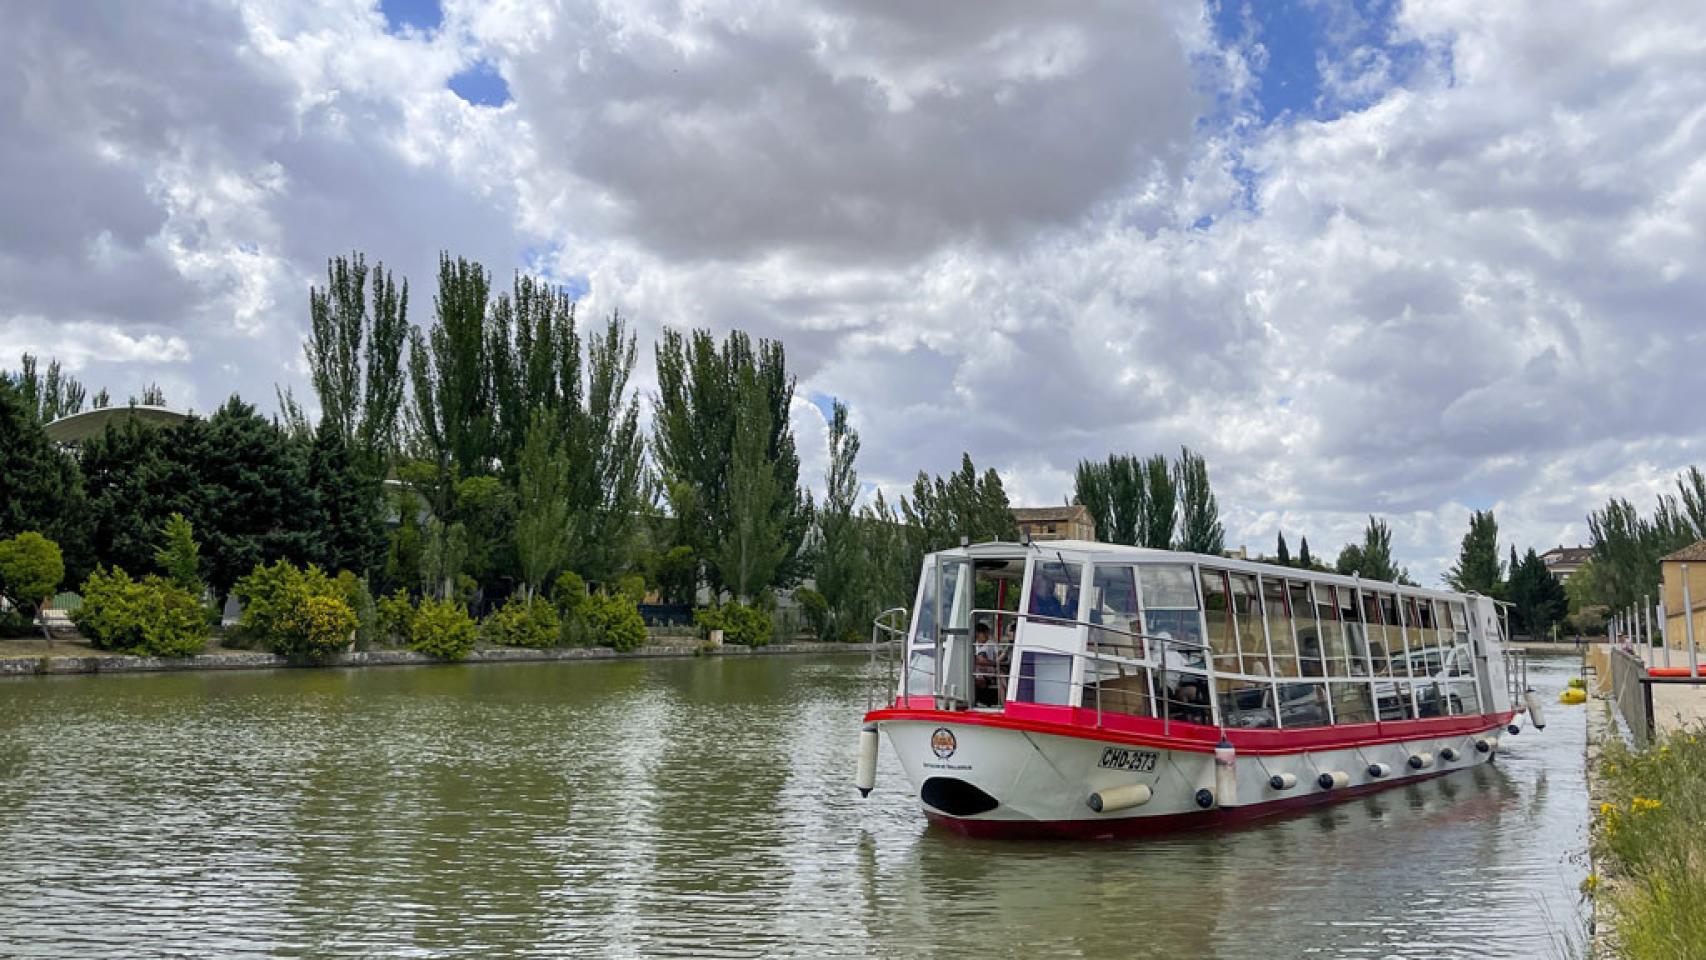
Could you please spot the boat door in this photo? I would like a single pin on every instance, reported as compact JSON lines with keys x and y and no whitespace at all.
{"x":952,"y":616}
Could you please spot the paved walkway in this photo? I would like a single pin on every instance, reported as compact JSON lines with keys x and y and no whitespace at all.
{"x":1678,"y":705}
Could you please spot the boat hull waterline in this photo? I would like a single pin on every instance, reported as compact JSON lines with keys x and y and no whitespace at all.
{"x":987,"y":776}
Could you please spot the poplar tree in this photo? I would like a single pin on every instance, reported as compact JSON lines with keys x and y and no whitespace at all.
{"x":355,"y":356}
{"x":452,"y":414}
{"x":1114,"y":494}
{"x":1161,"y":504}
{"x":544,"y":525}
{"x":1284,"y":551}
{"x":753,"y":546}
{"x":842,"y":556}
{"x":1200,"y":529}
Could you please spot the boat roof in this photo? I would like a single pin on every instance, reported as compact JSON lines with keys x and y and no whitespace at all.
{"x":1093,"y":551}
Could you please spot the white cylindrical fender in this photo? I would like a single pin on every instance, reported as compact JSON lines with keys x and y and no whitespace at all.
{"x":1486,"y":744}
{"x":1448,"y":754}
{"x":1378,"y":770}
{"x":1334,"y":780}
{"x":1283,"y":781}
{"x":1225,"y":774}
{"x":1421,"y":761}
{"x":866,"y":776}
{"x":1120,"y":798}
{"x":1534,"y":712}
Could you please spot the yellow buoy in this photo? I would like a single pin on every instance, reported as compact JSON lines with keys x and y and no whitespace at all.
{"x":1573,"y":695}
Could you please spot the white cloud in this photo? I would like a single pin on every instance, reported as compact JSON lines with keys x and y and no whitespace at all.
{"x":1029,"y":233}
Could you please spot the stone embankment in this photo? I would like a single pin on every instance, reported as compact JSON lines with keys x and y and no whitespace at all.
{"x":53,"y":664}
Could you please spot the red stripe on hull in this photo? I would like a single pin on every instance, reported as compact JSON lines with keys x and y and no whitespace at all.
{"x":1148,"y":732}
{"x":1140,"y":826}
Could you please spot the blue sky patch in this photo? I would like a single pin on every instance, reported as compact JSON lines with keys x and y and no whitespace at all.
{"x":424,"y":16}
{"x":481,"y":85}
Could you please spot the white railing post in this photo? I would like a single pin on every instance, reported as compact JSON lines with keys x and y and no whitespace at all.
{"x":1647,"y":611}
{"x":1688,"y":625}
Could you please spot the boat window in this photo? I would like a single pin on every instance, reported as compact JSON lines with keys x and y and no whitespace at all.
{"x":1280,"y":637}
{"x":1045,"y":677}
{"x":1379,"y":640}
{"x":921,"y":673}
{"x":1460,"y":683}
{"x":1247,"y":615}
{"x":926,"y":619}
{"x":1113,"y":604}
{"x":1170,"y":613}
{"x":1217,"y":611}
{"x":1303,"y":705}
{"x":1442,"y":623}
{"x":1246,"y":703}
{"x":1356,"y":641}
{"x":1315,"y":657}
{"x":1114,"y":685}
{"x":1393,"y":700}
{"x":1055,"y":589}
{"x":1460,"y":624}
{"x":1351,"y":702}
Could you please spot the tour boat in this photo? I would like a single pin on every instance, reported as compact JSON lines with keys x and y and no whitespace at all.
{"x":1070,"y":688}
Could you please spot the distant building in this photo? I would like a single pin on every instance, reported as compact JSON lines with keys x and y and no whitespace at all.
{"x":1562,"y":561}
{"x":1686,"y":566}
{"x":1070,"y":522}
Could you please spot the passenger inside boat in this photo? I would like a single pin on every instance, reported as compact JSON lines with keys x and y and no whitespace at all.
{"x":986,"y":672}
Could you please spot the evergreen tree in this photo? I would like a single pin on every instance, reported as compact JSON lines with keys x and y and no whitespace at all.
{"x":41,"y":488}
{"x":1538,"y":600}
{"x":1304,"y":560}
{"x":179,"y":556}
{"x":1477,"y":569}
{"x":135,"y":475}
{"x":1284,"y":553}
{"x":348,"y":528}
{"x":1200,"y":530}
{"x":1377,"y":552}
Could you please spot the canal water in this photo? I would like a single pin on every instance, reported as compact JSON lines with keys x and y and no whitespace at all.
{"x":691,"y":808}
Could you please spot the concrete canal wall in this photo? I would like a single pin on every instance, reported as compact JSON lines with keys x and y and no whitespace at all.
{"x":55,"y":665}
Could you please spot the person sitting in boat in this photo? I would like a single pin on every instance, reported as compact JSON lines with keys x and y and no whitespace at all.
{"x":987,"y":670}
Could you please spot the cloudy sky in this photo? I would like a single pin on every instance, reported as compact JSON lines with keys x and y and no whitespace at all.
{"x":1400,"y":258}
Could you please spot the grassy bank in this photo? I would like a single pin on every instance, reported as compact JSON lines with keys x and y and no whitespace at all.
{"x":1650,"y":846}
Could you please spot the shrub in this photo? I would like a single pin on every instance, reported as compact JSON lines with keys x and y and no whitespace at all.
{"x":442,"y":629}
{"x":741,"y":624}
{"x":277,"y":610}
{"x":360,"y":599}
{"x":632,"y":586}
{"x":153,"y":617}
{"x":394,"y":618}
{"x":569,"y":594}
{"x":614,"y":621}
{"x":816,"y":610}
{"x":31,"y":567}
{"x":1648,"y":836}
{"x":524,"y":623}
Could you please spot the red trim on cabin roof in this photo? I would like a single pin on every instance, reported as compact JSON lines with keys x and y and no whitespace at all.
{"x":1177,"y":735}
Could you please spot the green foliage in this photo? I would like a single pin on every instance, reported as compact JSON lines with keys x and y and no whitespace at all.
{"x":355,"y":357}
{"x":816,"y":610}
{"x":569,"y":594}
{"x":153,"y":617}
{"x":675,"y":572}
{"x":296,"y":612}
{"x":1131,"y":500}
{"x":452,"y":416}
{"x":633,"y":587}
{"x":31,"y":569}
{"x":544,"y":525}
{"x":1478,"y":568}
{"x":614,"y":621}
{"x":1627,"y":546}
{"x":356,"y":594}
{"x":747,"y":523}
{"x":179,"y":556}
{"x":394,"y":618}
{"x":1200,"y":529}
{"x":443,"y":629}
{"x":347,"y":521}
{"x":963,"y":504}
{"x":1283,"y":554}
{"x":1304,"y":560}
{"x":1537,"y":598}
{"x":1648,"y":836}
{"x":40,"y":487}
{"x":741,"y":624}
{"x":444,"y":549}
{"x":522,"y":622}
{"x":1372,"y":559}
{"x":51,"y":395}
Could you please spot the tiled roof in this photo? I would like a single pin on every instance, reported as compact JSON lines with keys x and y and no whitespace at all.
{"x":1558,"y":555}
{"x":1693,"y":553}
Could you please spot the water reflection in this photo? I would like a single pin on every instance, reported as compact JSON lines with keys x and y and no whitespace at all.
{"x":688,"y":808}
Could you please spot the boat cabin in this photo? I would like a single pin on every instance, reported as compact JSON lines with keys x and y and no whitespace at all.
{"x":1192,"y":638}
